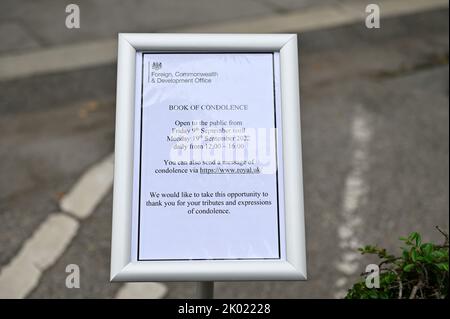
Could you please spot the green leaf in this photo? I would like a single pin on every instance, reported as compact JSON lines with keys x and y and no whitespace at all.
{"x":415,"y":237}
{"x":428,"y":259}
{"x":414,"y":259}
{"x":373,"y":294}
{"x":405,"y":254}
{"x":427,"y":248}
{"x":413,"y":255}
{"x":438,"y":254}
{"x":442,"y":266}
{"x":408,"y":267}
{"x":418,"y":239}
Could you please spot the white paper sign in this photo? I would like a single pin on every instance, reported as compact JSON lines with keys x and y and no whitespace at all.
{"x":208,"y":177}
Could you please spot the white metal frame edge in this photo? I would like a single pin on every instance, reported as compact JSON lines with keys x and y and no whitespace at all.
{"x":122,"y":267}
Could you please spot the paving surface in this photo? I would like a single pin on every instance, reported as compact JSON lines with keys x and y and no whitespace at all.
{"x":27,"y":25}
{"x":389,"y":86}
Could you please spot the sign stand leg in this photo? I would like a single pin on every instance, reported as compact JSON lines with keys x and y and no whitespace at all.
{"x":205,"y":290}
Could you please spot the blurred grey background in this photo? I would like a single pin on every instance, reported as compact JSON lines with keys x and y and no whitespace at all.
{"x":375,"y":126}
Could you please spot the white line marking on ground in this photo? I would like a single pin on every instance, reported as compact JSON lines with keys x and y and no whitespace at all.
{"x":355,"y":193}
{"x":54,"y":235}
{"x":142,"y":290}
{"x":77,"y":56}
{"x":90,"y":189}
{"x":38,"y":253}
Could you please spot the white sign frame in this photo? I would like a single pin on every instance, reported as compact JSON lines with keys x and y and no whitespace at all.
{"x":122,"y":266}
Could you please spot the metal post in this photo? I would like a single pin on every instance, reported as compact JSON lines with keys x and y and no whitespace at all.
{"x":205,"y":290}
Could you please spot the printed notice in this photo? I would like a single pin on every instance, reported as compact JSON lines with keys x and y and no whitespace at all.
{"x":208,"y":163}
